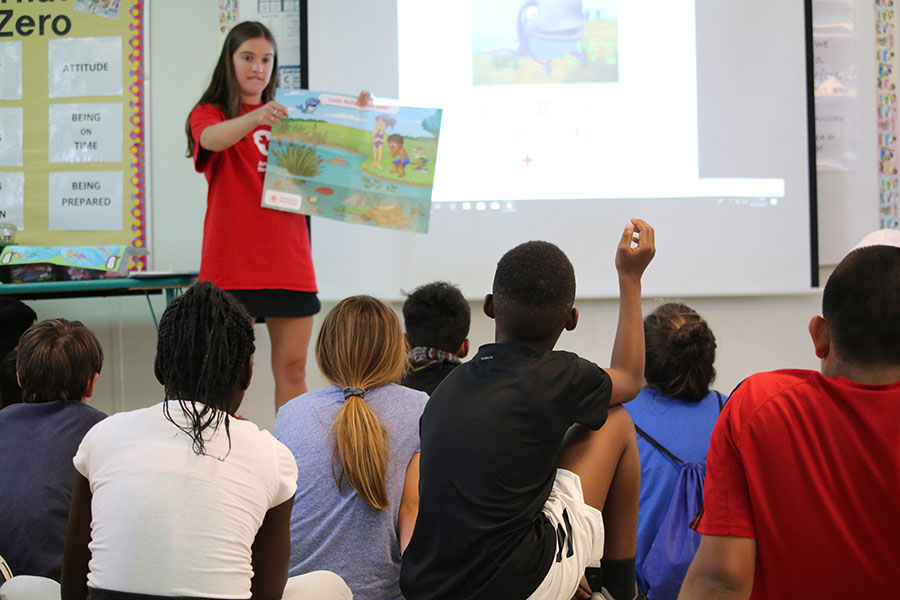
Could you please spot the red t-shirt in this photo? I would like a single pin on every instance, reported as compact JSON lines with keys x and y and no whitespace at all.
{"x":246,"y":246}
{"x":809,"y":466}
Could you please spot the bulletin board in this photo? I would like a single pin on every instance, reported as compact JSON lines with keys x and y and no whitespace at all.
{"x":72,"y":122}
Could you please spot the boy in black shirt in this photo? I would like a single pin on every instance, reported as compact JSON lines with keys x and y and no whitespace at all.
{"x":437,"y":317}
{"x":507,"y":509}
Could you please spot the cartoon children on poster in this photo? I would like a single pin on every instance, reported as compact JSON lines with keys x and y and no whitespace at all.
{"x":382,"y":122}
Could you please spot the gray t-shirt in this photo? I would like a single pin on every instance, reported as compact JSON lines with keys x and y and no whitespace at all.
{"x":336,"y":530}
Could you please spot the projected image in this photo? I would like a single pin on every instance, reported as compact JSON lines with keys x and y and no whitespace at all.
{"x":544,"y":41}
{"x":549,"y":142}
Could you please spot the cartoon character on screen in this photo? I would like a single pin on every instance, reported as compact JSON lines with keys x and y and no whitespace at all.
{"x":382,"y":122}
{"x":549,"y":29}
{"x":401,"y":158}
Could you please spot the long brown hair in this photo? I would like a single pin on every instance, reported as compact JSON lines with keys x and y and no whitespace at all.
{"x":361,"y":345}
{"x":223,"y":90}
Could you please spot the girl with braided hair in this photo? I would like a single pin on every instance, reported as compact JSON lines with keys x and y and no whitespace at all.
{"x":356,"y":444}
{"x":677,"y":409}
{"x":184,"y":498}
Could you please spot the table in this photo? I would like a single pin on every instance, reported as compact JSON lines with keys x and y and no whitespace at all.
{"x":172,"y":285}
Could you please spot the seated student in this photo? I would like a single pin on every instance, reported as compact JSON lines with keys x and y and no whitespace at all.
{"x":437,"y":319}
{"x":182,"y":498}
{"x":356,"y":444}
{"x":58,"y":363}
{"x":508,"y":508}
{"x":677,"y":410}
{"x":15,"y":318}
{"x":10,"y":391}
{"x":803,"y":474}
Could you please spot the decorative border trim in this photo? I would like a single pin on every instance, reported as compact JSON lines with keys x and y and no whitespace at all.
{"x":137,"y":118}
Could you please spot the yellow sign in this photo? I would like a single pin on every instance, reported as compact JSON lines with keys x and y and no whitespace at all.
{"x":72,"y":114}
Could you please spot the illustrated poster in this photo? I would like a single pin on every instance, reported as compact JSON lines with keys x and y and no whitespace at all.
{"x":333,"y":158}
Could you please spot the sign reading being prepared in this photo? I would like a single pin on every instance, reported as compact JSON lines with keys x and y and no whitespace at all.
{"x":86,"y":200}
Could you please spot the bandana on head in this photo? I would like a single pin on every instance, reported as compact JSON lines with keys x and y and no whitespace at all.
{"x":422,"y":357}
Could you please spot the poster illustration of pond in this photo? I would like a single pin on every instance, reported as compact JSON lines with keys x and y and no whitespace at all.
{"x":333,"y":158}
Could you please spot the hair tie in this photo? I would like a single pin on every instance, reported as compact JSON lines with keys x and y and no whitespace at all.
{"x":354,"y":391}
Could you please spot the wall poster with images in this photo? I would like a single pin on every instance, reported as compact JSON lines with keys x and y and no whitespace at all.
{"x":73,"y":123}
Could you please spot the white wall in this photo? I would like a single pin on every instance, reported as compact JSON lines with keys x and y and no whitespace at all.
{"x":754,"y":333}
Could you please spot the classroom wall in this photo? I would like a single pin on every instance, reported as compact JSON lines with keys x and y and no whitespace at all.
{"x":754,"y":333}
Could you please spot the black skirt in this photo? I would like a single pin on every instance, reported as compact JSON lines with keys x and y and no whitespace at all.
{"x":278,"y":303}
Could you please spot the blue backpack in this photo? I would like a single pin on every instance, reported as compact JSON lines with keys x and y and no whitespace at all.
{"x":675,"y":543}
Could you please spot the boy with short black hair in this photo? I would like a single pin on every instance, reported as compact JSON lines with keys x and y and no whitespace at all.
{"x":58,"y":364}
{"x":510,"y":503}
{"x":437,"y":317}
{"x":802,"y":477}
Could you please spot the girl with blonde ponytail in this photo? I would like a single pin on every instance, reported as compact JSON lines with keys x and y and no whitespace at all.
{"x":356,"y":444}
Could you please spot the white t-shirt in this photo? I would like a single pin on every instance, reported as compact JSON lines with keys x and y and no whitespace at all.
{"x":168,"y":521}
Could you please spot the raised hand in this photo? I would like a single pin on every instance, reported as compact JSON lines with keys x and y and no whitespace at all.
{"x":636,"y":249}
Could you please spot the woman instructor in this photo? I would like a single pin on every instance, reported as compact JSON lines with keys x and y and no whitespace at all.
{"x":261,"y":256}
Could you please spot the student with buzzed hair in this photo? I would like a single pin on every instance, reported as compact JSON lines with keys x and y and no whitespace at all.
{"x":803,"y":471}
{"x":510,"y":504}
{"x":437,"y":318}
{"x":58,"y":364}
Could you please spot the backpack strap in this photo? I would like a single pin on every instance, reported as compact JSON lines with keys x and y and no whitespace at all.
{"x":721,"y":402}
{"x":657,"y":445}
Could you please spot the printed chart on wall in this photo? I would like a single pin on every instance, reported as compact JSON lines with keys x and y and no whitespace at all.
{"x":836,"y":85}
{"x":282,"y":17}
{"x":72,"y":122}
{"x":888,"y":130}
{"x":372,"y":165}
